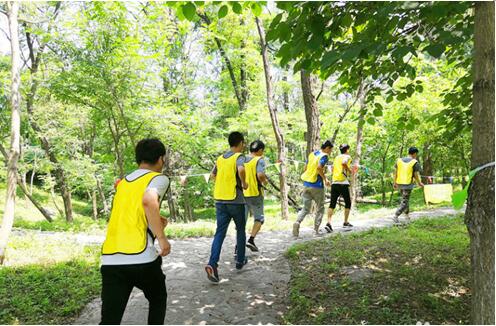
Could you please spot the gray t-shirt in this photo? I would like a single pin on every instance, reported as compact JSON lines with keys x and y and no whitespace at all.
{"x":160,"y":185}
{"x":240,"y":198}
{"x":416,"y":168}
{"x":260,"y":169}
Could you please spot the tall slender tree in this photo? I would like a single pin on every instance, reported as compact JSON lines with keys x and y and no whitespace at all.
{"x":15,"y":127}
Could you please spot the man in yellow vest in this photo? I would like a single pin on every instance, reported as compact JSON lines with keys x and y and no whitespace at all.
{"x":314,"y":180}
{"x":230,"y":180}
{"x":129,"y":257}
{"x":255,"y":177}
{"x":341,"y":171}
{"x":405,"y":170}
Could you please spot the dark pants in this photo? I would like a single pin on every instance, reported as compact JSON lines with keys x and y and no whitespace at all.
{"x":119,"y":280}
{"x":224,"y":213}
{"x":405,"y":202}
{"x":340,"y":190}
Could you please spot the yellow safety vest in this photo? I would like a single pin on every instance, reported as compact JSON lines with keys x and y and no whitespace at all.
{"x":310,"y":174}
{"x":225,"y":180}
{"x":128,"y":226}
{"x":251,"y":178}
{"x":338,"y":174}
{"x":404,"y":175}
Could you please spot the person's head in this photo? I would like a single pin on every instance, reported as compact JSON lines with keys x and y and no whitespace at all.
{"x":327,"y":147}
{"x":344,"y":148}
{"x":413,"y":151}
{"x":236,"y":141}
{"x":257,"y":148}
{"x":150,"y":154}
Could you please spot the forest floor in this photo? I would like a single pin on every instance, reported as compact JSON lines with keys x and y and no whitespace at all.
{"x":257,"y":294}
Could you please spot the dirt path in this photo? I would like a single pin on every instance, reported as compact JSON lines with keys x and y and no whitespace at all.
{"x":256,"y":295}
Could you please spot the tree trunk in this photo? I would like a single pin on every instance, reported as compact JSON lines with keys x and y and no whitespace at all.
{"x":427,"y":166}
{"x":281,"y":149}
{"x":285,"y":94}
{"x":229,"y":66}
{"x":174,"y":214}
{"x":383,"y":172}
{"x":106,"y":209}
{"x":28,"y":193}
{"x":479,"y":215}
{"x":355,"y":185}
{"x":312,"y":114}
{"x":94,"y":205}
{"x":15,"y":128}
{"x":60,"y":177}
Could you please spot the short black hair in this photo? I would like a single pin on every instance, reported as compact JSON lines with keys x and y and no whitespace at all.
{"x":256,"y":145}
{"x":412,"y":150}
{"x":149,"y":150}
{"x":235,"y":138}
{"x":343,"y":148}
{"x":326,"y":144}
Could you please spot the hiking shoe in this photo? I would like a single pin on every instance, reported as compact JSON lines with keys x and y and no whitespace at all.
{"x":240,"y":265}
{"x":396,"y":220}
{"x":408,"y":220}
{"x":212,"y":274}
{"x":251,"y":245}
{"x":328,"y":228}
{"x":296,"y":229}
{"x":347,"y":225}
{"x":316,"y":231}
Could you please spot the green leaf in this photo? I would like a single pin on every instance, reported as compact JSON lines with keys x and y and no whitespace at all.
{"x":435,"y":50}
{"x":223,"y":11}
{"x":236,"y":7}
{"x":189,"y":10}
{"x":377,"y":112}
{"x":328,"y":59}
{"x":371,"y":121}
{"x":256,"y":9}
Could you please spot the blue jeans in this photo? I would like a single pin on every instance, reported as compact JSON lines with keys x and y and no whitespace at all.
{"x":224,"y":213}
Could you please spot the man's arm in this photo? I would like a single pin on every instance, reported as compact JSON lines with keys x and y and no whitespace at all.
{"x":417,"y":178}
{"x":395,"y":185}
{"x":262,"y":178}
{"x":242,"y":176}
{"x":321,"y":172}
{"x":151,"y":206}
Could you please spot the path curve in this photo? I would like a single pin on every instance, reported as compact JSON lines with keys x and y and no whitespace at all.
{"x":256,"y":295}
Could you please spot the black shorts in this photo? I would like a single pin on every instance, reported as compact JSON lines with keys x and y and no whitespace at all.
{"x":340,"y":190}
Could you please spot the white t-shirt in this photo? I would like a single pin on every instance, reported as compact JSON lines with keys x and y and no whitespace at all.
{"x":159,"y":184}
{"x":346,"y":158}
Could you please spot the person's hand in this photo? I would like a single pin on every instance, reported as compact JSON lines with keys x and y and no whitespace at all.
{"x":165,"y":246}
{"x":421,"y":184}
{"x":245,"y":186}
{"x":327,"y":183}
{"x":395,"y":185}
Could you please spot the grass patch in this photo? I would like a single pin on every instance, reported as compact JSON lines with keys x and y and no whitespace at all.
{"x":47,"y":281}
{"x":398,"y":275}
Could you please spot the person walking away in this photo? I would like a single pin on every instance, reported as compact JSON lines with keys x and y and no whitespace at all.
{"x":405,"y":170}
{"x":314,"y":180}
{"x":129,"y":258}
{"x":254,"y":196}
{"x":229,"y":175}
{"x":341,"y":171}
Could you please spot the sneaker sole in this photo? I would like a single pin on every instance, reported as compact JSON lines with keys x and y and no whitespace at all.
{"x":328,"y":230}
{"x":210,"y":275}
{"x":252,"y":247}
